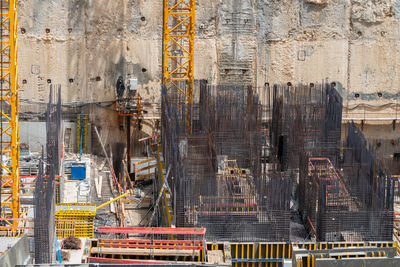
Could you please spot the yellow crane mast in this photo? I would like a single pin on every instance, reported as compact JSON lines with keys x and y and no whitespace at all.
{"x":178,"y":54}
{"x":9,"y":135}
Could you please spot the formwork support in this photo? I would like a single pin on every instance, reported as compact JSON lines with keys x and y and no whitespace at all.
{"x":75,"y":219}
{"x":9,"y":135}
{"x":187,"y":243}
{"x":178,"y":53}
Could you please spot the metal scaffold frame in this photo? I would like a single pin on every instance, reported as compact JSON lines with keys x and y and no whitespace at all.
{"x":9,"y":135}
{"x":178,"y":54}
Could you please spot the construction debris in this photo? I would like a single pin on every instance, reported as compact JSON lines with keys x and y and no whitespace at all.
{"x":71,"y":243}
{"x":65,"y":255}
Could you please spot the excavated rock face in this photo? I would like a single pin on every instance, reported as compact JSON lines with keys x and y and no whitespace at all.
{"x":372,"y":11}
{"x":86,"y":45}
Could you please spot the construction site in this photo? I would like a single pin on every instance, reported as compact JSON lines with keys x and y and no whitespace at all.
{"x":199,"y":133}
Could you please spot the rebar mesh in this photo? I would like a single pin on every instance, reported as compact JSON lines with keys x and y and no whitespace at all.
{"x":234,"y":174}
{"x":343,"y":196}
{"x":218,"y":174}
{"x":305,"y":117}
{"x":44,"y":198}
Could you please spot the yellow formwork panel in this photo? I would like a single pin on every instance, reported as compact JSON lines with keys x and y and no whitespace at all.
{"x":309,"y":260}
{"x":75,"y":219}
{"x":271,"y":253}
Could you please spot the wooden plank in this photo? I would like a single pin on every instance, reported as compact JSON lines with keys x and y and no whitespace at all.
{"x":112,"y":206}
{"x":141,"y":177}
{"x":145,"y":252}
{"x":145,"y":168}
{"x":98,"y":182}
{"x":149,"y":137}
{"x":144,"y":161}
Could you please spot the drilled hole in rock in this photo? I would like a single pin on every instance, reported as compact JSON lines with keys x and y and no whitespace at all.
{"x":144,"y":70}
{"x":47,"y":30}
{"x":357,"y":95}
{"x":143,"y":18}
{"x":71,"y":80}
{"x":48,"y":80}
{"x":24,"y":81}
{"x":23,"y":31}
{"x":98,"y":78}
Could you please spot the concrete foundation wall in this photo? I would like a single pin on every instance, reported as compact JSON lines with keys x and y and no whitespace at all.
{"x":18,"y":254}
{"x":86,"y":45}
{"x":33,"y":133}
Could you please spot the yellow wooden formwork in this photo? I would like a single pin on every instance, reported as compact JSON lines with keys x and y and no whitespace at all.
{"x":75,"y":219}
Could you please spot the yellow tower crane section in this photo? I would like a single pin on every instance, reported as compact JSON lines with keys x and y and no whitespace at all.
{"x":178,"y":54}
{"x":9,"y":136}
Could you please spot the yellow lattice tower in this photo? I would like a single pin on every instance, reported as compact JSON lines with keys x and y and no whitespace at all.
{"x":9,"y":137}
{"x":178,"y":53}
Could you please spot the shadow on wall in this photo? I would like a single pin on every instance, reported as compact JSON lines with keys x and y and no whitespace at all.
{"x":341,"y":90}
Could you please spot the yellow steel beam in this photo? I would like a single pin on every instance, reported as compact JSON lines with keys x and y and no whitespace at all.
{"x":178,"y":54}
{"x":9,"y":136}
{"x":112,"y":200}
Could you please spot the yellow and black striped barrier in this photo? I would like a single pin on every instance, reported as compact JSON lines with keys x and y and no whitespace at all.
{"x":274,"y":253}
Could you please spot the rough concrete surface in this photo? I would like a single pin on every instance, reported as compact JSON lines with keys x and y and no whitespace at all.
{"x":86,"y":45}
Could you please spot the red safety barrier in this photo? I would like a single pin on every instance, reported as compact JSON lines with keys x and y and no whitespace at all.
{"x":94,"y":259}
{"x":152,"y":230}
